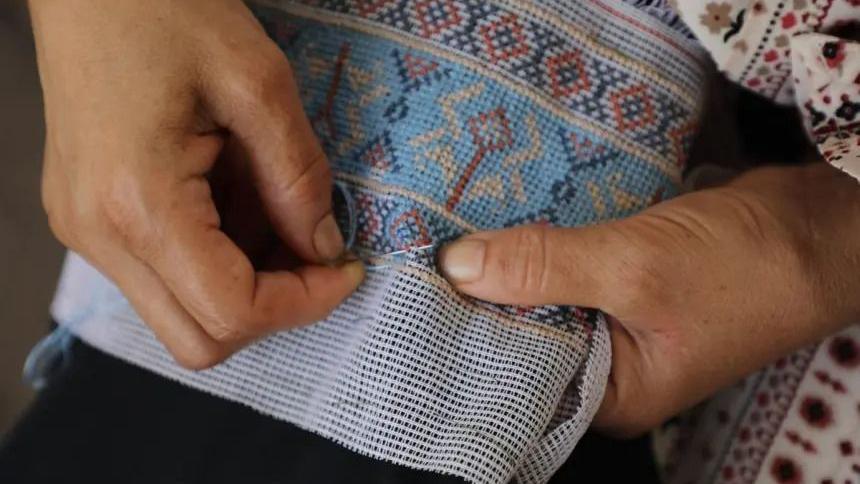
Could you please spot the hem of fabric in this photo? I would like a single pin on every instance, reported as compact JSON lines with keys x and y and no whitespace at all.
{"x":599,"y":377}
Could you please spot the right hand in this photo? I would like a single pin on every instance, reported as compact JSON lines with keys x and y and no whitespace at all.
{"x":141,"y":100}
{"x":702,"y":289}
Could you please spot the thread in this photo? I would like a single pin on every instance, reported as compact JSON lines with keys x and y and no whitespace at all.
{"x":349,"y":228}
{"x":390,"y":259}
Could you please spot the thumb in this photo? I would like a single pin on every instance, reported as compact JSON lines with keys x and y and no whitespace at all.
{"x":289,"y":167}
{"x":536,"y":265}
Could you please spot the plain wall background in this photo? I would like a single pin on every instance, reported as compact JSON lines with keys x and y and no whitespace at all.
{"x":30,"y":258}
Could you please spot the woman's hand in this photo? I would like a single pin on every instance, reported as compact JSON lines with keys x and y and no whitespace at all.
{"x":141,"y":100}
{"x":703,"y":289}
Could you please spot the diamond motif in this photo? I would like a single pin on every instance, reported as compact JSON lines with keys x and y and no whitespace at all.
{"x":379,"y":154}
{"x":417,"y":67}
{"x":369,"y":220}
{"x":437,"y":15}
{"x":583,"y":152}
{"x":491,"y":131}
{"x":681,"y":139}
{"x":504,"y":39}
{"x":409,"y":230}
{"x":567,"y":74}
{"x":367,"y":8}
{"x":632,"y":108}
{"x":416,"y":71}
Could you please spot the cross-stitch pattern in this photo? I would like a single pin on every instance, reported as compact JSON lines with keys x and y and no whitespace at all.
{"x":442,"y":117}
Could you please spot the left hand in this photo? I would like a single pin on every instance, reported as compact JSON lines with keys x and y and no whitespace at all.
{"x":180,"y":163}
{"x":702,"y":289}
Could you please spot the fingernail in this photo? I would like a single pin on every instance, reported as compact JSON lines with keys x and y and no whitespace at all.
{"x":463,"y":261}
{"x":348,"y":257}
{"x":328,"y":240}
{"x":355,"y":271}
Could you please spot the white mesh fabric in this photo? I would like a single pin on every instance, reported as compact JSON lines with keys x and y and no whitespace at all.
{"x":461,"y":390}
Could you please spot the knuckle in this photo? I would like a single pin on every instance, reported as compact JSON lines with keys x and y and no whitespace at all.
{"x":268,"y":316}
{"x":524,"y":267}
{"x":775,"y":238}
{"x":199,"y":357}
{"x":123,"y":214}
{"x":265,"y":81}
{"x":57,"y":210}
{"x":227,"y":329}
{"x":63,"y":234}
{"x":59,"y":222}
{"x":309,"y":184}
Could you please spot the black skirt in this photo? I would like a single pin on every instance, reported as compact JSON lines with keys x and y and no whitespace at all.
{"x":103,"y":420}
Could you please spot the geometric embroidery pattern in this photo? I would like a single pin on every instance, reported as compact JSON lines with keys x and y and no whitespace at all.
{"x":567,"y":74}
{"x":379,"y":154}
{"x":550,"y":59}
{"x":504,"y":39}
{"x":416,"y":71}
{"x":632,"y":108}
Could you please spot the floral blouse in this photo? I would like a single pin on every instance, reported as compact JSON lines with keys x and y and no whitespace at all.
{"x":798,"y":420}
{"x":789,"y":51}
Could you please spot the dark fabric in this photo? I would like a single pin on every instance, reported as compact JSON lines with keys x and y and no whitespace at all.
{"x":102,"y":420}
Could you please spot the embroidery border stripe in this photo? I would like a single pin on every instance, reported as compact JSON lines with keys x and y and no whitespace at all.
{"x":664,"y":164}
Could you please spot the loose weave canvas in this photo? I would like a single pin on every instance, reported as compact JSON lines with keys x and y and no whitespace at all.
{"x":444,"y":117}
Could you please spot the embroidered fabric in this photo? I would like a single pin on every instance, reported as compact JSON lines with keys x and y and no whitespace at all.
{"x":443,"y":117}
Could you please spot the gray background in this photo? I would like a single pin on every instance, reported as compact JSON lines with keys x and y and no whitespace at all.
{"x":30,"y":258}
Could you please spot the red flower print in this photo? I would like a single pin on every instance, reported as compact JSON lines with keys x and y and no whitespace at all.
{"x":834,"y":53}
{"x":816,"y":412}
{"x":845,"y":351}
{"x":785,"y":470}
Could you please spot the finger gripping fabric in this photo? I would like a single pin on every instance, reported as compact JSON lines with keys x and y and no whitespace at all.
{"x":442,"y":117}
